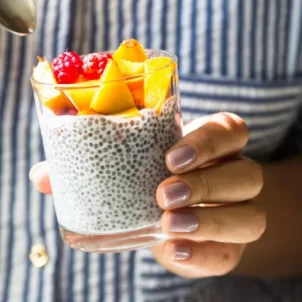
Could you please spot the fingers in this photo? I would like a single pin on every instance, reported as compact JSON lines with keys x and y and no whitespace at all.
{"x":229,"y":182}
{"x":240,"y":223}
{"x":220,"y":135}
{"x":39,"y":175}
{"x":196,"y":260}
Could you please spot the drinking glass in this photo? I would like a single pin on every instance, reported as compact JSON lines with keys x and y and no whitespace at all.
{"x":105,"y":169}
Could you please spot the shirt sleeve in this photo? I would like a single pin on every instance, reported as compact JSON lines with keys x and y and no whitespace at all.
{"x":269,"y":109}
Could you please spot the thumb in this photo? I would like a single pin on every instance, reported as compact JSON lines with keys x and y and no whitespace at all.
{"x":39,"y":176}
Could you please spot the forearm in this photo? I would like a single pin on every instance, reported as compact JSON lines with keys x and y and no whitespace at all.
{"x":279,"y":252}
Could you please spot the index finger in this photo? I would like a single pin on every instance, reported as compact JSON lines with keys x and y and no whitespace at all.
{"x":221,"y":135}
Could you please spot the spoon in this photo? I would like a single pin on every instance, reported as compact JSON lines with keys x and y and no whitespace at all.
{"x":17,"y":16}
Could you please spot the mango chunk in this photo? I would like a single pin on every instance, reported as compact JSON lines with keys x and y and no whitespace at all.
{"x":136,"y":86}
{"x":113,"y":96}
{"x":52,"y":98}
{"x":82,"y":95}
{"x":129,"y":68}
{"x":157,"y":81}
{"x":130,"y":50}
{"x":133,"y":112}
{"x":43,"y":72}
{"x":87,"y":112}
{"x":134,"y":70}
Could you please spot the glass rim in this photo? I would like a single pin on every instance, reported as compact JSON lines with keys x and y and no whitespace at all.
{"x":82,"y":85}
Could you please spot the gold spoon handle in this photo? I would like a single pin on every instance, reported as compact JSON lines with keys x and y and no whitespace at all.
{"x":18,"y":16}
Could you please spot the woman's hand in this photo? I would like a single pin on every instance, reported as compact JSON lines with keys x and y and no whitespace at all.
{"x":209,"y":169}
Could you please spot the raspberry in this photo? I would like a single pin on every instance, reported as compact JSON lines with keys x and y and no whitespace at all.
{"x":94,"y":65}
{"x":67,"y":67}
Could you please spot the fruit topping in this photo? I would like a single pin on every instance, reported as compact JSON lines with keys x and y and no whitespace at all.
{"x":52,"y":98}
{"x":113,"y":96}
{"x":129,"y":68}
{"x":81,"y":97}
{"x":94,"y":65}
{"x":43,"y":72}
{"x":133,"y":112}
{"x":67,"y":67}
{"x":82,"y":94}
{"x":135,"y":79}
{"x":130,"y":50}
{"x":159,"y":71}
{"x":136,"y":87}
{"x":120,"y":84}
{"x":87,"y":112}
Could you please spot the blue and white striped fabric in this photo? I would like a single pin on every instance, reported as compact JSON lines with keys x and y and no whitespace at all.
{"x":243,"y":56}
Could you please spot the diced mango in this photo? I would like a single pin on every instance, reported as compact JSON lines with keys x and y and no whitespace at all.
{"x":157,"y":81}
{"x":138,"y":97}
{"x":136,"y":86}
{"x":113,"y":96}
{"x":52,"y":98}
{"x":133,"y":112}
{"x":82,"y":95}
{"x":87,"y":112}
{"x":135,"y":82}
{"x":111,"y":72}
{"x":43,"y":72}
{"x":130,"y":50}
{"x":129,"y":68}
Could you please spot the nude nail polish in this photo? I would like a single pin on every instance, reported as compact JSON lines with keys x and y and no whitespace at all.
{"x":181,"y":252}
{"x":181,"y":157}
{"x":175,"y":195}
{"x":180,"y":222}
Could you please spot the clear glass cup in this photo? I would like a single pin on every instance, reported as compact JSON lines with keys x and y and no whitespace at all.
{"x":105,"y":169}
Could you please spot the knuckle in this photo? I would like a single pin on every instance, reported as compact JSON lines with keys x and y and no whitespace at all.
{"x":212,"y":227}
{"x":228,"y":117}
{"x":205,"y":140}
{"x":204,"y":187}
{"x":243,"y":127}
{"x":236,"y":124}
{"x":211,"y":146}
{"x":208,"y":144}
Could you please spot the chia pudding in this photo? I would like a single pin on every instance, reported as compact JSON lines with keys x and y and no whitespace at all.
{"x":105,"y":169}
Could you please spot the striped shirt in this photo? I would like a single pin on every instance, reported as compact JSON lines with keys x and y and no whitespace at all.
{"x":243,"y":56}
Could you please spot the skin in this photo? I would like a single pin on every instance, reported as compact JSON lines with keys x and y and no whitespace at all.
{"x":223,"y":182}
{"x":278,"y":252}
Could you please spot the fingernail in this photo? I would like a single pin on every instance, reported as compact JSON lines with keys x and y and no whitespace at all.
{"x":175,"y":195}
{"x":181,"y":252}
{"x":181,"y":157}
{"x":34,"y":171}
{"x":182,"y":222}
